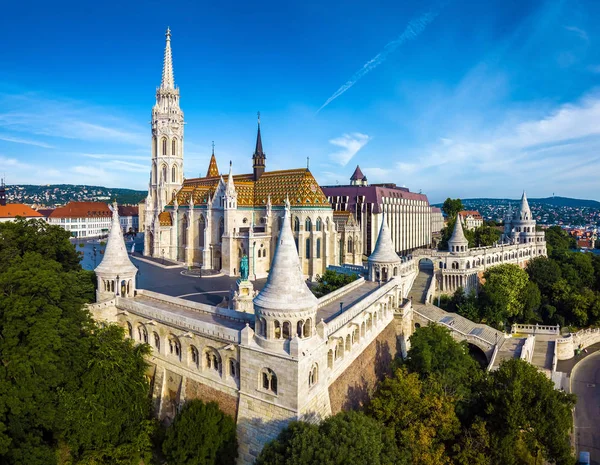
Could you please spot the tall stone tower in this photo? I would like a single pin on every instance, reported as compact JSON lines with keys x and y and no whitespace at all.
{"x":166,"y":176}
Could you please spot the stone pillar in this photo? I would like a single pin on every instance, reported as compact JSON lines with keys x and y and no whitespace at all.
{"x":206,"y":251}
{"x":189,"y":246}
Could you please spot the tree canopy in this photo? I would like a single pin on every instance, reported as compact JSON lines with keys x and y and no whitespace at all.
{"x":331,"y":281}
{"x":451,"y":207}
{"x":65,"y":383}
{"x":201,"y":434}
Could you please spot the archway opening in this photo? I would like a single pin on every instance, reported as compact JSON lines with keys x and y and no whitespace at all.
{"x":478,"y":355}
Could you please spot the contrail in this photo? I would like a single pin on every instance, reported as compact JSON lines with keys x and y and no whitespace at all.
{"x":414,"y":28}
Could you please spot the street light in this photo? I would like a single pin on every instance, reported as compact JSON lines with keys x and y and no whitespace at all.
{"x":163,"y":255}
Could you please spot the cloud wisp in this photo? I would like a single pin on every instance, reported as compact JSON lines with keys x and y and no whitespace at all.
{"x":350,"y":145}
{"x":415,"y":27}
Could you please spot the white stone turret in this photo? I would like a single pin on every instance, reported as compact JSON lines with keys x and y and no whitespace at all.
{"x":384,"y":262}
{"x":285,"y":307}
{"x":524,"y":210}
{"x":458,"y":242}
{"x":115,"y":273}
{"x":522,"y":226}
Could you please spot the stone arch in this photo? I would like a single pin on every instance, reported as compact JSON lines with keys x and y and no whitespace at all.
{"x":308,"y":224}
{"x":142,"y":333}
{"x":211,"y":359}
{"x":268,"y":381}
{"x":163,"y":173}
{"x":313,"y":375}
{"x":174,"y":174}
{"x":164,"y":146}
{"x":174,"y":346}
{"x":318,"y":224}
{"x":194,"y":356}
{"x":156,"y":341}
{"x":174,"y":147}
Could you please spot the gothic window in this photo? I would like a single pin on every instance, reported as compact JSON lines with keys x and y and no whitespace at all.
{"x":286,"y":330}
{"x":195,"y":356}
{"x":164,"y":146}
{"x":174,"y":147}
{"x":212,"y":359}
{"x":296,"y":224}
{"x":263,"y":327}
{"x":277,"y":332}
{"x":318,"y":225}
{"x":350,"y":249}
{"x":307,"y":328}
{"x":130,"y":330}
{"x":307,"y":254}
{"x":330,"y":358}
{"x":174,"y":173}
{"x":157,"y":342}
{"x":308,"y":224}
{"x":269,"y":380}
{"x":174,"y":347}
{"x":142,"y":334}
{"x":233,"y":368}
{"x":313,"y":375}
{"x":319,"y":248}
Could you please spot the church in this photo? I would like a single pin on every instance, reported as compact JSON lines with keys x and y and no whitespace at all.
{"x":214,"y":221}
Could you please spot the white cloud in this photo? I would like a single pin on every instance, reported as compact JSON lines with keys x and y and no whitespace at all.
{"x":583,"y":35}
{"x":350,"y":145}
{"x":18,"y":140}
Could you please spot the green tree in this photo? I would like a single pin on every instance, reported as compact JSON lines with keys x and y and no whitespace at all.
{"x":348,"y":437}
{"x":525,"y":414}
{"x":531,"y":298}
{"x":434,"y":352}
{"x":485,"y":236}
{"x":501,"y":294}
{"x":544,"y":272}
{"x":331,"y":281}
{"x":451,"y":207}
{"x":420,"y":414}
{"x":201,"y":434}
{"x":559,"y":241}
{"x":107,"y":418}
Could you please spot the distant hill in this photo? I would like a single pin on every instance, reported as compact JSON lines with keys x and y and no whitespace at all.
{"x":52,"y":195}
{"x":555,"y":201}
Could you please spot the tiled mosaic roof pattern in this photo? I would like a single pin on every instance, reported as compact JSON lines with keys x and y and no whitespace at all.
{"x":298,"y":184}
{"x":165,"y":219}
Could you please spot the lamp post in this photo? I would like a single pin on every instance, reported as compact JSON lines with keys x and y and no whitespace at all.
{"x":117,"y":286}
{"x":163,"y":256}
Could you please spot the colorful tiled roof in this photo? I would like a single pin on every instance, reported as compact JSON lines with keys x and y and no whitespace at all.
{"x":213,"y":169}
{"x":12,"y":210}
{"x":82,"y":210}
{"x":297,"y":184}
{"x":164,"y":219}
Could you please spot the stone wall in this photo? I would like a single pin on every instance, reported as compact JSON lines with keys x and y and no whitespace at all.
{"x":354,"y":387}
{"x":196,"y":390}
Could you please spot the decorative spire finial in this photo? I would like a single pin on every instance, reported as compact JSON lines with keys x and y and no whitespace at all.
{"x":168,"y":81}
{"x":213,"y":147}
{"x":258,"y":114}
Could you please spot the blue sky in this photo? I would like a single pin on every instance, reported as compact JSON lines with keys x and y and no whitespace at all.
{"x":458,"y":98}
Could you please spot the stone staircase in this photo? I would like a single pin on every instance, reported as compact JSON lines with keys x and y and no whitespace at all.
{"x":543,"y":353}
{"x":511,"y":348}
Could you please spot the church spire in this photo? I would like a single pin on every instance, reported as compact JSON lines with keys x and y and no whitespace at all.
{"x":458,"y":242}
{"x":168,"y":81}
{"x":213,"y":169}
{"x":258,"y":159}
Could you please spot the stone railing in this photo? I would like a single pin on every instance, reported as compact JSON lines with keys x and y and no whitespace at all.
{"x":221,"y":312}
{"x":328,"y":298}
{"x":535,"y":329}
{"x":431,"y":289}
{"x":179,"y":321}
{"x":348,"y":314}
{"x":100,"y":305}
{"x":493,"y":357}
{"x":527,"y":349}
{"x":586,"y":337}
{"x":468,"y":337}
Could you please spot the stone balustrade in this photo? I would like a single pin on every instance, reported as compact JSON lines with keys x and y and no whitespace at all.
{"x":535,"y":329}
{"x":328,"y":298}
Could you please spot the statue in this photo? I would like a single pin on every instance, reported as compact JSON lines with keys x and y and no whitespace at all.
{"x":244,"y":268}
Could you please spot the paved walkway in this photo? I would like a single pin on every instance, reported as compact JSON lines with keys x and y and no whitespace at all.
{"x":332,"y":309}
{"x":585,"y":383}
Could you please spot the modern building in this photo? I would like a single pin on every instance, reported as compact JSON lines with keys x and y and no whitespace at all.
{"x":409,"y":214}
{"x":129,"y":218}
{"x":83,"y":219}
{"x":10,"y":211}
{"x":437,"y":220}
{"x":288,"y":356}
{"x":215,"y":220}
{"x":471,"y":219}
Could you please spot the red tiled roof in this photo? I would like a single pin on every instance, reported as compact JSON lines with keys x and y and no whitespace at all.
{"x":82,"y":210}
{"x":474,"y":213}
{"x":128,"y":210}
{"x":11,"y":210}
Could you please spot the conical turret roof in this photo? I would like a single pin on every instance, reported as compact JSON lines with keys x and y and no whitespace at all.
{"x":259,"y":148}
{"x":286,"y":289}
{"x":357,"y":175}
{"x":384,"y":251}
{"x":458,"y":235}
{"x":115,"y":260}
{"x":524,"y":210}
{"x":213,"y":169}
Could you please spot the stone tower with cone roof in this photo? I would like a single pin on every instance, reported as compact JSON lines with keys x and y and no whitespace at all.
{"x":384,"y":262}
{"x":458,"y":242}
{"x":115,"y":273}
